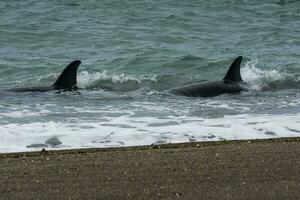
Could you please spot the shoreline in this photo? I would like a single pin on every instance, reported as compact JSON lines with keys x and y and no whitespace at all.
{"x":148,"y":147}
{"x":239,"y":169}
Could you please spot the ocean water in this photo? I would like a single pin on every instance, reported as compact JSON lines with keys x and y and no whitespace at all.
{"x":132,"y":52}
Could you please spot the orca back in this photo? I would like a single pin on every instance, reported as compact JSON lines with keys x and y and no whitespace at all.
{"x":68,"y":78}
{"x":208,"y":89}
{"x":229,"y":84}
{"x":234,"y":73}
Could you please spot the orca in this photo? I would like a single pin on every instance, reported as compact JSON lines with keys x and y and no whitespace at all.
{"x":67,"y":80}
{"x":231,"y":83}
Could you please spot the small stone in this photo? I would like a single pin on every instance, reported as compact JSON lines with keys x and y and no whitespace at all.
{"x":44,"y":152}
{"x":178,"y":194}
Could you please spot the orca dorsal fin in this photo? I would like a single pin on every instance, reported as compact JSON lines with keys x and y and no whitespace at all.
{"x":68,"y":78}
{"x":234,"y":72}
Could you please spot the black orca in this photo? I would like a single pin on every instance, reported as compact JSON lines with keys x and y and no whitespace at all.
{"x":67,"y":80}
{"x":231,"y":83}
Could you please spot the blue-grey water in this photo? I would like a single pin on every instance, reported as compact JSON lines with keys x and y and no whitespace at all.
{"x":132,"y":52}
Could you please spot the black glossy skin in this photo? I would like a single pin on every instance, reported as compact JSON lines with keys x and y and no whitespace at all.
{"x":32,"y":89}
{"x":40,"y":89}
{"x":209,"y":89}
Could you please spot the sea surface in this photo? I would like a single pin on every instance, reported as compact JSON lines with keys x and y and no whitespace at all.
{"x":132,"y":53}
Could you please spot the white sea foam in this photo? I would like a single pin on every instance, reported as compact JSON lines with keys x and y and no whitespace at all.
{"x":259,"y":78}
{"x":85,"y":78}
{"x":128,"y":131}
{"x":23,"y":113}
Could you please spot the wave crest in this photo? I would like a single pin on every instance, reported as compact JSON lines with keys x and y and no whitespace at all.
{"x":260,"y":79}
{"x":114,"y":82}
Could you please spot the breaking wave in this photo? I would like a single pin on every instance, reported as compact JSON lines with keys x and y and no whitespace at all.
{"x":113,"y":82}
{"x":268,"y":79}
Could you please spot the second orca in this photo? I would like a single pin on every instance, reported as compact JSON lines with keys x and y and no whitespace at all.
{"x":231,"y":83}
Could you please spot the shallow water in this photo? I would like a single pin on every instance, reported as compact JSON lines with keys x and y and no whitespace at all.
{"x":132,"y":53}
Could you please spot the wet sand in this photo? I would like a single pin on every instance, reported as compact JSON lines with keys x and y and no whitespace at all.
{"x":257,"y":169}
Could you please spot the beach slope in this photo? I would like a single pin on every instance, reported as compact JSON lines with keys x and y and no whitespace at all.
{"x":257,"y":169}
